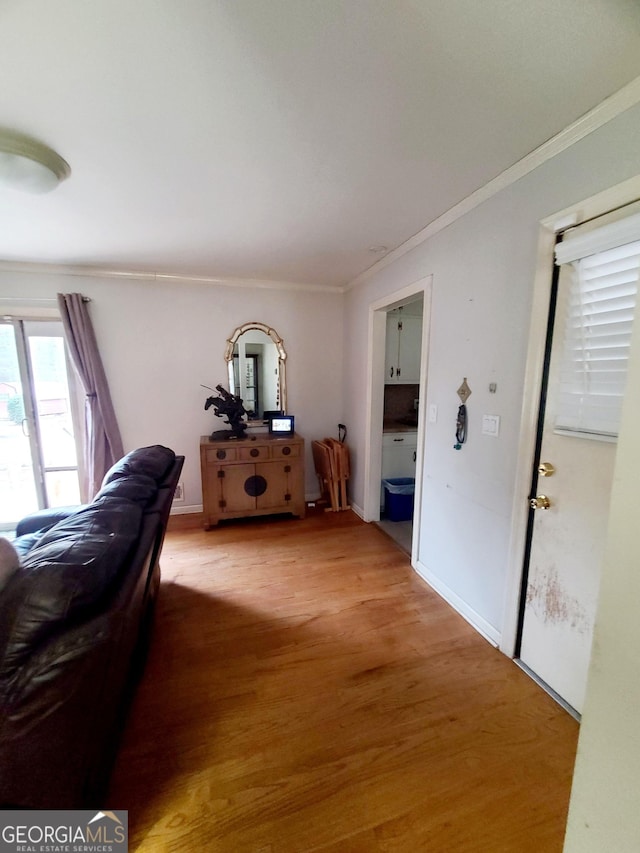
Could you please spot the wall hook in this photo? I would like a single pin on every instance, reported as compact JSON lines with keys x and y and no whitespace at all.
{"x":464,"y":392}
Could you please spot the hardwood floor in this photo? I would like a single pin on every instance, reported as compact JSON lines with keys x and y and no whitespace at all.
{"x":306,"y":691}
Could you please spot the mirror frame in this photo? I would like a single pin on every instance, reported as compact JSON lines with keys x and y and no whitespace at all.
{"x":282,"y":355}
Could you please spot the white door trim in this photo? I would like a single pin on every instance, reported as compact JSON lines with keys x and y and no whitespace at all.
{"x":610,"y":199}
{"x":375,"y":399}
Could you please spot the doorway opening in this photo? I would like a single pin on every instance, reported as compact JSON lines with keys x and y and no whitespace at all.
{"x":403,"y":345}
{"x":38,"y":451}
{"x":398,"y":341}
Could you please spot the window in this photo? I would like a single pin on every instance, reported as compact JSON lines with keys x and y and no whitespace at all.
{"x":601,"y":294}
{"x":38,"y":454}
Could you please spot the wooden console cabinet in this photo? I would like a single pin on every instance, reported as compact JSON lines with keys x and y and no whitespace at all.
{"x":257,"y":475}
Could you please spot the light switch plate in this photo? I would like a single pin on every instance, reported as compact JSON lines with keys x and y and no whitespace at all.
{"x":491,"y":425}
{"x":433,"y":413}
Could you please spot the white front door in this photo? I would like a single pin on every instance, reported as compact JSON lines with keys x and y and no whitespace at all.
{"x":574,"y":482}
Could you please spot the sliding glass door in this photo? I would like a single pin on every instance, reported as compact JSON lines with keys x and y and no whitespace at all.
{"x":38,"y":455}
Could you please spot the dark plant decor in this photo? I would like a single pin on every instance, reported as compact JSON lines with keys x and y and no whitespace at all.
{"x":229,"y":406}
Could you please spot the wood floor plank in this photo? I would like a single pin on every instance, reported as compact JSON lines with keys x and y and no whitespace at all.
{"x":306,"y":691}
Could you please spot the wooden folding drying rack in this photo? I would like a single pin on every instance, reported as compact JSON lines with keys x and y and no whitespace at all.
{"x":331,"y":460}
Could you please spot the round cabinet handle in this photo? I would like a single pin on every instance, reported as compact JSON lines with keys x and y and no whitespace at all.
{"x":221,"y":454}
{"x":286,"y":451}
{"x":254,"y":452}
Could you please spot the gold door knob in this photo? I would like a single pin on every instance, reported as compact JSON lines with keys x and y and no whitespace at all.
{"x":546,"y":469}
{"x":540,"y":502}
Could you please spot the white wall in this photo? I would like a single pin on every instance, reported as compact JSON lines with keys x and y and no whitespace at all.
{"x":604,"y":812}
{"x":159,"y":340}
{"x":483,"y":269}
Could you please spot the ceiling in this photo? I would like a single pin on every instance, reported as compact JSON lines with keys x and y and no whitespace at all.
{"x":283,"y":139}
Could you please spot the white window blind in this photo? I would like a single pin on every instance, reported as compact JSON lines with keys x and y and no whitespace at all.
{"x":593,"y":372}
{"x":588,"y":240}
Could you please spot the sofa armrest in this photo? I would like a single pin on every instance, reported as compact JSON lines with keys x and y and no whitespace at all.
{"x":43,"y":519}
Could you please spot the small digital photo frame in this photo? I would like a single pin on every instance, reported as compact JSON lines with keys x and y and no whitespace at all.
{"x":281,"y":425}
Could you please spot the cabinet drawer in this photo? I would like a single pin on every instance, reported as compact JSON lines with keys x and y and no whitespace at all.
{"x":285,"y":451}
{"x":400,"y":439}
{"x":251,"y":453}
{"x":219,"y":454}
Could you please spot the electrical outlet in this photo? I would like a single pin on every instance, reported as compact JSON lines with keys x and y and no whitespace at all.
{"x":178,"y":496}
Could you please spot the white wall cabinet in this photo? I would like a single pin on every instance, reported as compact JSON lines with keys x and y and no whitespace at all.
{"x":398,"y":456}
{"x":402,"y":348}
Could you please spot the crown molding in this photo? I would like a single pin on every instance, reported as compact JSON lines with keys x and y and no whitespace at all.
{"x":613,"y":106}
{"x":138,"y":275}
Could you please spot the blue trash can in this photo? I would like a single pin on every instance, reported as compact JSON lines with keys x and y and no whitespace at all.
{"x":398,"y":498}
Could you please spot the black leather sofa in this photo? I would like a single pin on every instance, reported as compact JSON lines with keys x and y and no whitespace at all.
{"x":74,"y":623}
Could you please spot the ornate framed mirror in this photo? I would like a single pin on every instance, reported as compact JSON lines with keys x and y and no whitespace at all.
{"x":256,"y":362}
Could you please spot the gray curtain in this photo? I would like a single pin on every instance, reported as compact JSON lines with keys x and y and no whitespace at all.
{"x":102,"y":442}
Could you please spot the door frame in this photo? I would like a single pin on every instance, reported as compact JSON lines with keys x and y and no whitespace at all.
{"x":583,"y":211}
{"x":375,"y":399}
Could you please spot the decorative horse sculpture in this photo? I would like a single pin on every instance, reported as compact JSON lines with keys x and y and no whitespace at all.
{"x":229,"y":406}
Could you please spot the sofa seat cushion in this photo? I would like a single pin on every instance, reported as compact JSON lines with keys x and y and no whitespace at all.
{"x":154,"y":461}
{"x":66,"y":576}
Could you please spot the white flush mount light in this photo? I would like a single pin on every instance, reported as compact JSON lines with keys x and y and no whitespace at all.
{"x":29,"y":165}
{"x":378,"y":250}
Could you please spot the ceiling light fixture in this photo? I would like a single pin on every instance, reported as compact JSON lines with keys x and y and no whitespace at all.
{"x":29,"y":165}
{"x":378,"y":250}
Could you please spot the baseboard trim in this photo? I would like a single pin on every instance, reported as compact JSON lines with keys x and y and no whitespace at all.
{"x":358,"y":510}
{"x":185,"y":520}
{"x":490,"y":634}
{"x":177,"y":509}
